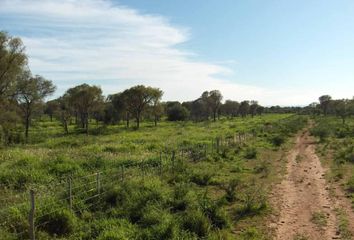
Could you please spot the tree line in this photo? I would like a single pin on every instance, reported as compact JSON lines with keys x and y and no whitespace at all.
{"x":23,"y":95}
{"x":326,"y":105}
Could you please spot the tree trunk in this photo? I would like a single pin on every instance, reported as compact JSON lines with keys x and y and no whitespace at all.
{"x":155,"y":120}
{"x":127,"y":119}
{"x":214,"y":116}
{"x":27,"y":123}
{"x":66,"y":126}
{"x":51,"y":117}
{"x":87,"y":124}
{"x":138,"y":121}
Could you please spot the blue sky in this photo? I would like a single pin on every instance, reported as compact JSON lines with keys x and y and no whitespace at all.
{"x":277,"y":52}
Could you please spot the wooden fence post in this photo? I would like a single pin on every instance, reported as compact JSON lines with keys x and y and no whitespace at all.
{"x":217,"y":145}
{"x":31,"y":216}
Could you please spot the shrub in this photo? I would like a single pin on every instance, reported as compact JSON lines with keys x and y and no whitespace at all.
{"x":322,"y":131}
{"x":158,"y":224}
{"x":60,"y":223}
{"x":195,"y":222}
{"x":177,"y":113}
{"x":253,"y":202}
{"x":277,"y":140}
{"x":201,"y":177}
{"x":350,"y":185}
{"x":230,"y":189}
{"x":250,"y":153}
{"x":215,"y":213}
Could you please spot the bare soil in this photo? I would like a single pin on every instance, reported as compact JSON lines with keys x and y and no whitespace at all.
{"x":306,"y":207}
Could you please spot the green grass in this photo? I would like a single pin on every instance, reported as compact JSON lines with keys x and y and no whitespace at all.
{"x":194,"y":196}
{"x":336,"y":149}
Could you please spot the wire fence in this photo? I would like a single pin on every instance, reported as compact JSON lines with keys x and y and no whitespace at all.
{"x":82,"y":193}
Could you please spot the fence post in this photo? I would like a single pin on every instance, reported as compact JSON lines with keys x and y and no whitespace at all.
{"x":205,"y":150}
{"x":98,"y":182}
{"x":70,"y":193}
{"x":217,"y":144}
{"x":31,"y":216}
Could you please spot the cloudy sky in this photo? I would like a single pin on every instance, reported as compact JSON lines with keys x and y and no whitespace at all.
{"x":275,"y":51}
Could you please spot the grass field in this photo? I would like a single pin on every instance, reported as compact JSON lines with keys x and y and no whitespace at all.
{"x":336,"y":148}
{"x":164,"y":182}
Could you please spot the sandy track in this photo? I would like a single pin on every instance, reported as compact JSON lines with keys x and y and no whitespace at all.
{"x":303,"y":193}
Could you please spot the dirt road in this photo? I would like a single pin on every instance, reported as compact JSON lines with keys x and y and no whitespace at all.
{"x":306,"y":209}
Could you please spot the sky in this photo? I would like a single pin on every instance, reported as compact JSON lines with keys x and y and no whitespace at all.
{"x":278,"y":52}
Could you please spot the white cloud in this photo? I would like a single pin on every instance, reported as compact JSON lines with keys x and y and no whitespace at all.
{"x":113,"y":46}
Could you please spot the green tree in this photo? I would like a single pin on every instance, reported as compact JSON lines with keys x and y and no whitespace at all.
{"x":138,"y":98}
{"x":244,"y":108}
{"x":51,"y":107}
{"x":325,"y":101}
{"x":342,"y":108}
{"x":214,"y":101}
{"x":84,"y":99}
{"x":230,"y":108}
{"x":177,"y":112}
{"x":12,"y":62}
{"x":31,"y":91}
{"x":64,"y":112}
{"x":253,"y":108}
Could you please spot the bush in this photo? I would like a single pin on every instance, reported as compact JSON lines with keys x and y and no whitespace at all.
{"x":322,"y":131}
{"x":177,"y":113}
{"x":253,"y":202}
{"x":250,"y":153}
{"x":195,"y":222}
{"x":215,"y":213}
{"x":350,"y":185}
{"x":277,"y":140}
{"x":201,"y":177}
{"x":230,"y":189}
{"x":60,"y":223}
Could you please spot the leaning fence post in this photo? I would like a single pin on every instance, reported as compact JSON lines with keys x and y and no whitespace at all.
{"x":31,"y":216}
{"x":70,"y":193}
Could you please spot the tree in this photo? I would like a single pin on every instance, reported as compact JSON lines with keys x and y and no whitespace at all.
{"x":30,"y":91}
{"x":253,"y":108}
{"x":342,"y":108}
{"x":120,"y":107}
{"x":230,"y":108}
{"x":64,"y":112}
{"x":138,"y":98}
{"x":12,"y":62}
{"x":244,"y":108}
{"x":157,"y":107}
{"x":50,"y":108}
{"x":260,"y":110}
{"x":177,"y":112}
{"x":214,"y":101}
{"x":84,"y":100}
{"x":325,"y":101}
